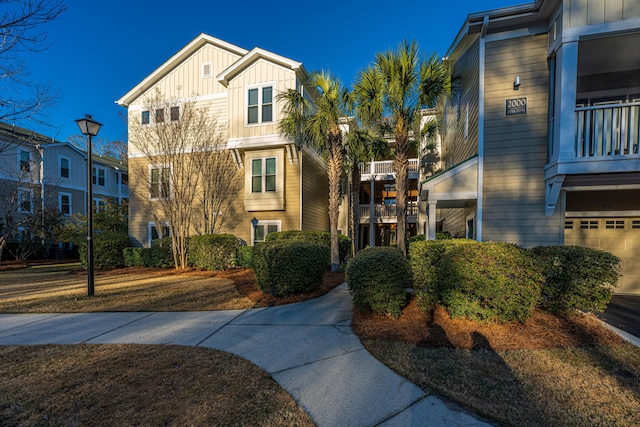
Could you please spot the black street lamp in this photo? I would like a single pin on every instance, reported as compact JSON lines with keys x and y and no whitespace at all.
{"x":89,"y":127}
{"x":254,"y":222}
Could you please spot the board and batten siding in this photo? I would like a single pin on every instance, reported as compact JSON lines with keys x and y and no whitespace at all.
{"x":315,"y":193}
{"x":590,"y":12}
{"x":515,"y":146}
{"x":261,"y":72}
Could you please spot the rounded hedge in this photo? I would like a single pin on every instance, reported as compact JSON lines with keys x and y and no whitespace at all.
{"x":378,"y":278}
{"x":577,"y":278}
{"x":289,"y":267}
{"x":489,"y":281}
{"x":213,"y":251}
{"x":108,"y":250}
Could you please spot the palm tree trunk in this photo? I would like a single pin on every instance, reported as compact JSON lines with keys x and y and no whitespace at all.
{"x":334,"y":167}
{"x":401,"y":167}
{"x":355,"y":207}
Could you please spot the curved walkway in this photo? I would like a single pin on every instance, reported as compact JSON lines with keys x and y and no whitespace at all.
{"x":308,"y":348}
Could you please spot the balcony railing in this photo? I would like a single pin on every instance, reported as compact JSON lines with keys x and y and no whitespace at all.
{"x":611,"y":130}
{"x":386,"y":211}
{"x":384,"y":167}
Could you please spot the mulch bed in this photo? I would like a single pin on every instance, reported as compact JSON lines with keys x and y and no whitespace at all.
{"x":438,"y":329}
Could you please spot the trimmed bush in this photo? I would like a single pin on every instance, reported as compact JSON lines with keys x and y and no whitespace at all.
{"x":133,"y":257}
{"x":213,"y":251}
{"x":425,"y":259}
{"x":378,"y":278}
{"x":490,"y":281}
{"x":108,"y":250}
{"x":319,"y":237}
{"x":160,"y":255}
{"x":577,"y":278}
{"x":289,"y":267}
{"x":243,"y":256}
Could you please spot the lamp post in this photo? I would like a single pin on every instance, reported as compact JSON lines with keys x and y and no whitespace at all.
{"x":254,"y":223}
{"x":89,"y":127}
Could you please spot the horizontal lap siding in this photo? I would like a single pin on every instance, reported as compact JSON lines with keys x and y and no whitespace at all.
{"x":515,"y":147}
{"x":315,"y":194}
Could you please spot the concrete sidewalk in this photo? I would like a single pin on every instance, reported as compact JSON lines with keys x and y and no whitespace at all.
{"x":308,"y":348}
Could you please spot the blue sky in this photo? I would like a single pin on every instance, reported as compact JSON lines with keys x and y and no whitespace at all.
{"x":100,"y":50}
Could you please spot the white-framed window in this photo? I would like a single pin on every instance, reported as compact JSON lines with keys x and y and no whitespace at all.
{"x":25,"y":200}
{"x":99,"y":176}
{"x":264,"y":227}
{"x":99,"y":204}
{"x":470,"y":227}
{"x":263,"y":175}
{"x":24,"y":161}
{"x":260,"y":104}
{"x":155,"y":233}
{"x":175,"y":113}
{"x":206,"y":70}
{"x":64,"y":203}
{"x":64,"y":167}
{"x":159,"y":182}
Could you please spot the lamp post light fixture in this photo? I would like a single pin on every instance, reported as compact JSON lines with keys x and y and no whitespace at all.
{"x":89,"y":127}
{"x":254,"y":223}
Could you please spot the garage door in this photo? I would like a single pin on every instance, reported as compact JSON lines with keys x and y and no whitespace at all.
{"x":620,"y":236}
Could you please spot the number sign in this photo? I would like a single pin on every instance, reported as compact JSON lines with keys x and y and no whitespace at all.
{"x":516,"y":106}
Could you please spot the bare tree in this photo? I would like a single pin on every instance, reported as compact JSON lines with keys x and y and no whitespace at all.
{"x":176,"y":148}
{"x":21,"y":23}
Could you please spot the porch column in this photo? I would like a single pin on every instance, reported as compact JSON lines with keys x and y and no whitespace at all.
{"x":372,"y":212}
{"x":565,"y":102}
{"x":431,"y":232}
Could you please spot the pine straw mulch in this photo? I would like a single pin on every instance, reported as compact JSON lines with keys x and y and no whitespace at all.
{"x":438,"y":330}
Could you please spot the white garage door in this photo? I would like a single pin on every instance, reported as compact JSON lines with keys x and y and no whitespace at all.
{"x":620,"y":236}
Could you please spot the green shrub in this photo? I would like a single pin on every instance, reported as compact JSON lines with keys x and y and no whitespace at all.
{"x":416,"y":238}
{"x":289,"y":267}
{"x":378,"y":278}
{"x":134,"y":257}
{"x":213,"y":251}
{"x":243,"y":256}
{"x":160,"y":255}
{"x":319,"y":237}
{"x":425,"y":259}
{"x":108,"y":250}
{"x":489,"y":281}
{"x":577,"y":278}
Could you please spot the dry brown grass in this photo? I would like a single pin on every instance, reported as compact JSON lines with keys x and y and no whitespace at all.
{"x":550,"y":371}
{"x":126,"y":385}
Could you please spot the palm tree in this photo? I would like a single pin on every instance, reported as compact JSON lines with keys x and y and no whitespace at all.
{"x":390,"y":94}
{"x":318,"y":126}
{"x":362,"y":145}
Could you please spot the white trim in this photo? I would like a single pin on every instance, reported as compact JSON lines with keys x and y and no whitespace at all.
{"x":151,"y":225}
{"x":99,"y":168}
{"x":61,"y":194}
{"x":254,"y":55}
{"x":260,"y":87}
{"x":471,"y":217}
{"x":598,"y":30}
{"x":481,"y":76}
{"x":29,"y":191}
{"x":159,"y":166}
{"x":603,"y":187}
{"x":256,"y":141}
{"x":205,"y":74}
{"x":602,"y":214}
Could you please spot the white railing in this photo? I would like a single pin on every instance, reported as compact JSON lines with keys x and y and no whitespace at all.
{"x":611,"y":130}
{"x":386,"y":211}
{"x":385,"y":167}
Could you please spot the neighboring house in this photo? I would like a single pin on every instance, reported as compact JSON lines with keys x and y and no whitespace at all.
{"x":541,"y":142}
{"x":284,"y":186}
{"x":46,"y":173}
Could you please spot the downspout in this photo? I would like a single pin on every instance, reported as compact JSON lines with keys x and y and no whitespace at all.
{"x":40,"y":149}
{"x":480,"y":192}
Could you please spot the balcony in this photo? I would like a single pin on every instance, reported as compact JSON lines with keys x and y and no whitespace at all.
{"x":387,"y":213}
{"x":607,"y":131}
{"x":385,"y":168}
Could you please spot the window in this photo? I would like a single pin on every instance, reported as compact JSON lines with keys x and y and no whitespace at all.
{"x":145,"y":118}
{"x":568,"y":225}
{"x":263,"y":175}
{"x":206,"y":70}
{"x":589,"y":225}
{"x":64,"y":203}
{"x":614,"y":224}
{"x":160,"y":115}
{"x":25,"y":161}
{"x":124,"y":178}
{"x":635,"y":224}
{"x":260,"y":105}
{"x":65,"y":167}
{"x":99,"y":175}
{"x":175,"y":114}
{"x":25,"y":200}
{"x":99,"y":204}
{"x":263,"y":228}
{"x":154,"y":232}
{"x":159,"y":182}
